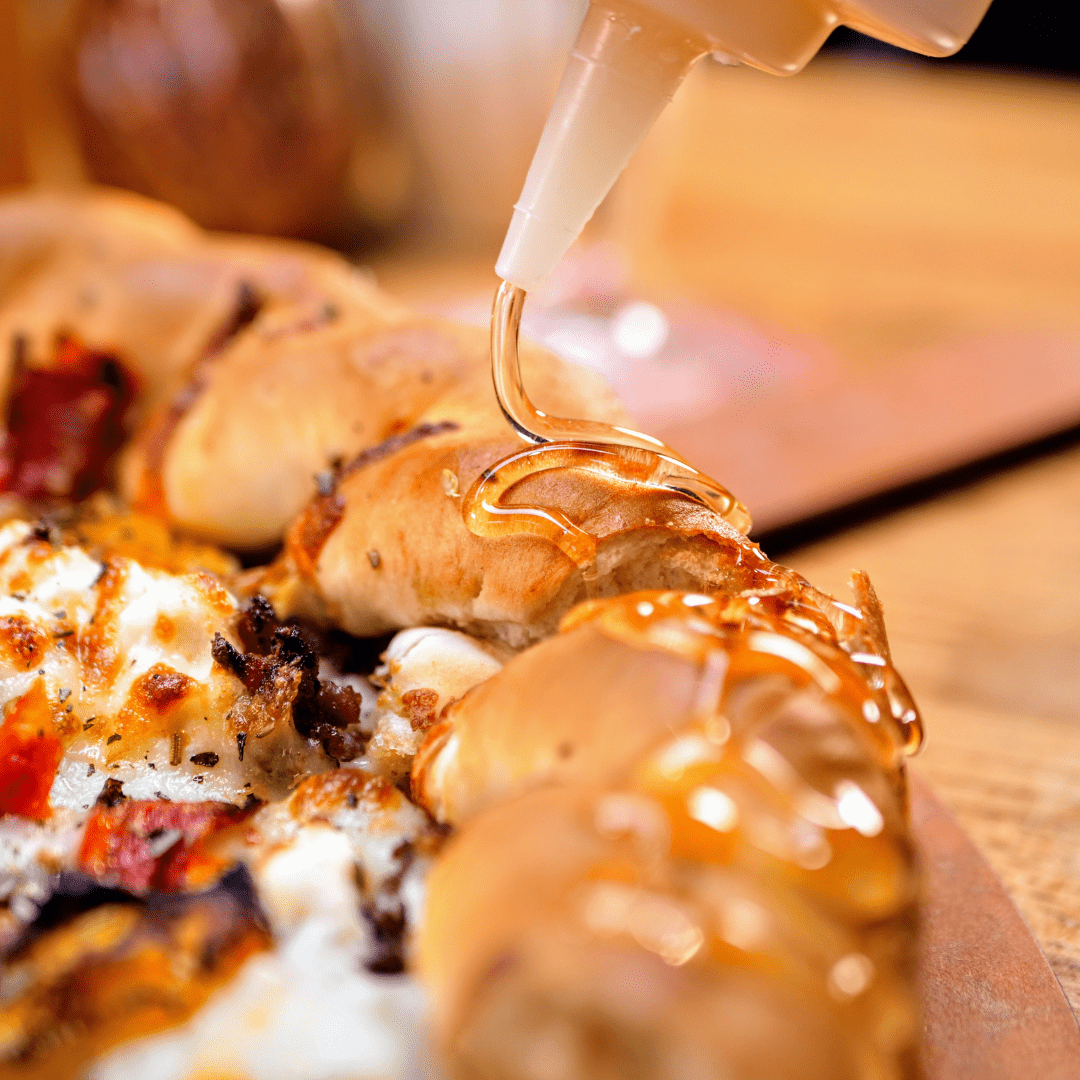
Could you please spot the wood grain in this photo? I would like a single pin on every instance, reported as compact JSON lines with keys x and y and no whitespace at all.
{"x":982,"y":599}
{"x":879,"y":207}
{"x":992,"y":1009}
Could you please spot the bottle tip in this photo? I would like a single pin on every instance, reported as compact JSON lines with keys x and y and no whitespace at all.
{"x":531,"y":250}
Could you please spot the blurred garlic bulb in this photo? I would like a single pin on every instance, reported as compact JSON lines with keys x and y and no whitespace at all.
{"x":254,"y":115}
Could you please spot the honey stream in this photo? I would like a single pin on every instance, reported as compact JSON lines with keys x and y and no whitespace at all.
{"x":558,"y":443}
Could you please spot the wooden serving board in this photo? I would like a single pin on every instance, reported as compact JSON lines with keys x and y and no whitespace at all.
{"x":993,"y":1008}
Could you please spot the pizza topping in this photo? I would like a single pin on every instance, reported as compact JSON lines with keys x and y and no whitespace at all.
{"x":324,"y":512}
{"x":388,"y":933}
{"x":420,"y":705}
{"x":310,"y":1007}
{"x":169,"y":708}
{"x":139,"y":845}
{"x":65,"y":422}
{"x":112,"y":794}
{"x":29,"y":754}
{"x":98,"y":967}
{"x":425,"y":669}
{"x":22,"y":642}
{"x":128,"y":649}
{"x":280,"y":675}
{"x":257,"y":624}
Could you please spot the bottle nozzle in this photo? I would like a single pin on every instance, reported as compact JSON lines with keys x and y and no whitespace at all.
{"x":625,"y":66}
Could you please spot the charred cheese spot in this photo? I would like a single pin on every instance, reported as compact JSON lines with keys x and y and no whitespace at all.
{"x":160,"y":691}
{"x":420,"y":707}
{"x":20,"y":582}
{"x":213,"y":592}
{"x":21,"y":642}
{"x":38,"y":551}
{"x":96,"y":643}
{"x":319,"y":797}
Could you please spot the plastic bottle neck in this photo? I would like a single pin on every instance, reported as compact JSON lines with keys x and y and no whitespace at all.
{"x":627,"y":63}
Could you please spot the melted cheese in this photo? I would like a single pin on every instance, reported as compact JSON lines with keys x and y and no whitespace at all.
{"x":343,"y":842}
{"x":30,"y":853}
{"x":424,"y":658}
{"x":305,"y":1012}
{"x":125,"y":655}
{"x":310,"y":1010}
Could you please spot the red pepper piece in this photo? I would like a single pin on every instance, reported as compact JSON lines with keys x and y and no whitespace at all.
{"x":29,"y":754}
{"x":65,"y":422}
{"x":140,"y":845}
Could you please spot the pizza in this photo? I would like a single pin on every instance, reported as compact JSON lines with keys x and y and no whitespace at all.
{"x":304,"y":778}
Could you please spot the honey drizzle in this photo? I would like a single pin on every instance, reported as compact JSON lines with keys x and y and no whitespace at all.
{"x":776,"y":605}
{"x":729,"y":798}
{"x":557,"y":443}
{"x":757,"y":633}
{"x":486,"y":515}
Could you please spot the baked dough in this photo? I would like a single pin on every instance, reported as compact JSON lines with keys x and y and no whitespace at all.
{"x":682,"y":840}
{"x":673,"y":780}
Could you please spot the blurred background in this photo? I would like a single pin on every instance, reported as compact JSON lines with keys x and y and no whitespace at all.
{"x":334,"y":120}
{"x":876,"y":226}
{"x":868,"y":274}
{"x":330,"y":118}
{"x":852,"y":296}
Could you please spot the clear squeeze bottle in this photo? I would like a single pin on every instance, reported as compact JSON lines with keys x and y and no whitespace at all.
{"x":629,"y":58}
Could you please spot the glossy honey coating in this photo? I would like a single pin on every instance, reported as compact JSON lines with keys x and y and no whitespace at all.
{"x":720,"y":884}
{"x":527,"y":722}
{"x":559,"y":443}
{"x":840,"y":647}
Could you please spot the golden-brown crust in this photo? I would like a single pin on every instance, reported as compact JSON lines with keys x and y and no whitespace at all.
{"x":583,"y":706}
{"x":277,"y":407}
{"x":111,"y":268}
{"x":330,"y":396}
{"x":683,"y":837}
{"x":565,"y":711}
{"x":627,"y":961}
{"x":137,"y":279}
{"x":266,"y":364}
{"x":431,"y":569}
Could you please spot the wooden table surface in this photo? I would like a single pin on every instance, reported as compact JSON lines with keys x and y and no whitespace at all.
{"x":880,"y":208}
{"x":982,"y":600}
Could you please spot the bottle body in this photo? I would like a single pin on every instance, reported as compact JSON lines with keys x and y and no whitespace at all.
{"x":629,"y":59}
{"x":781,"y":36}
